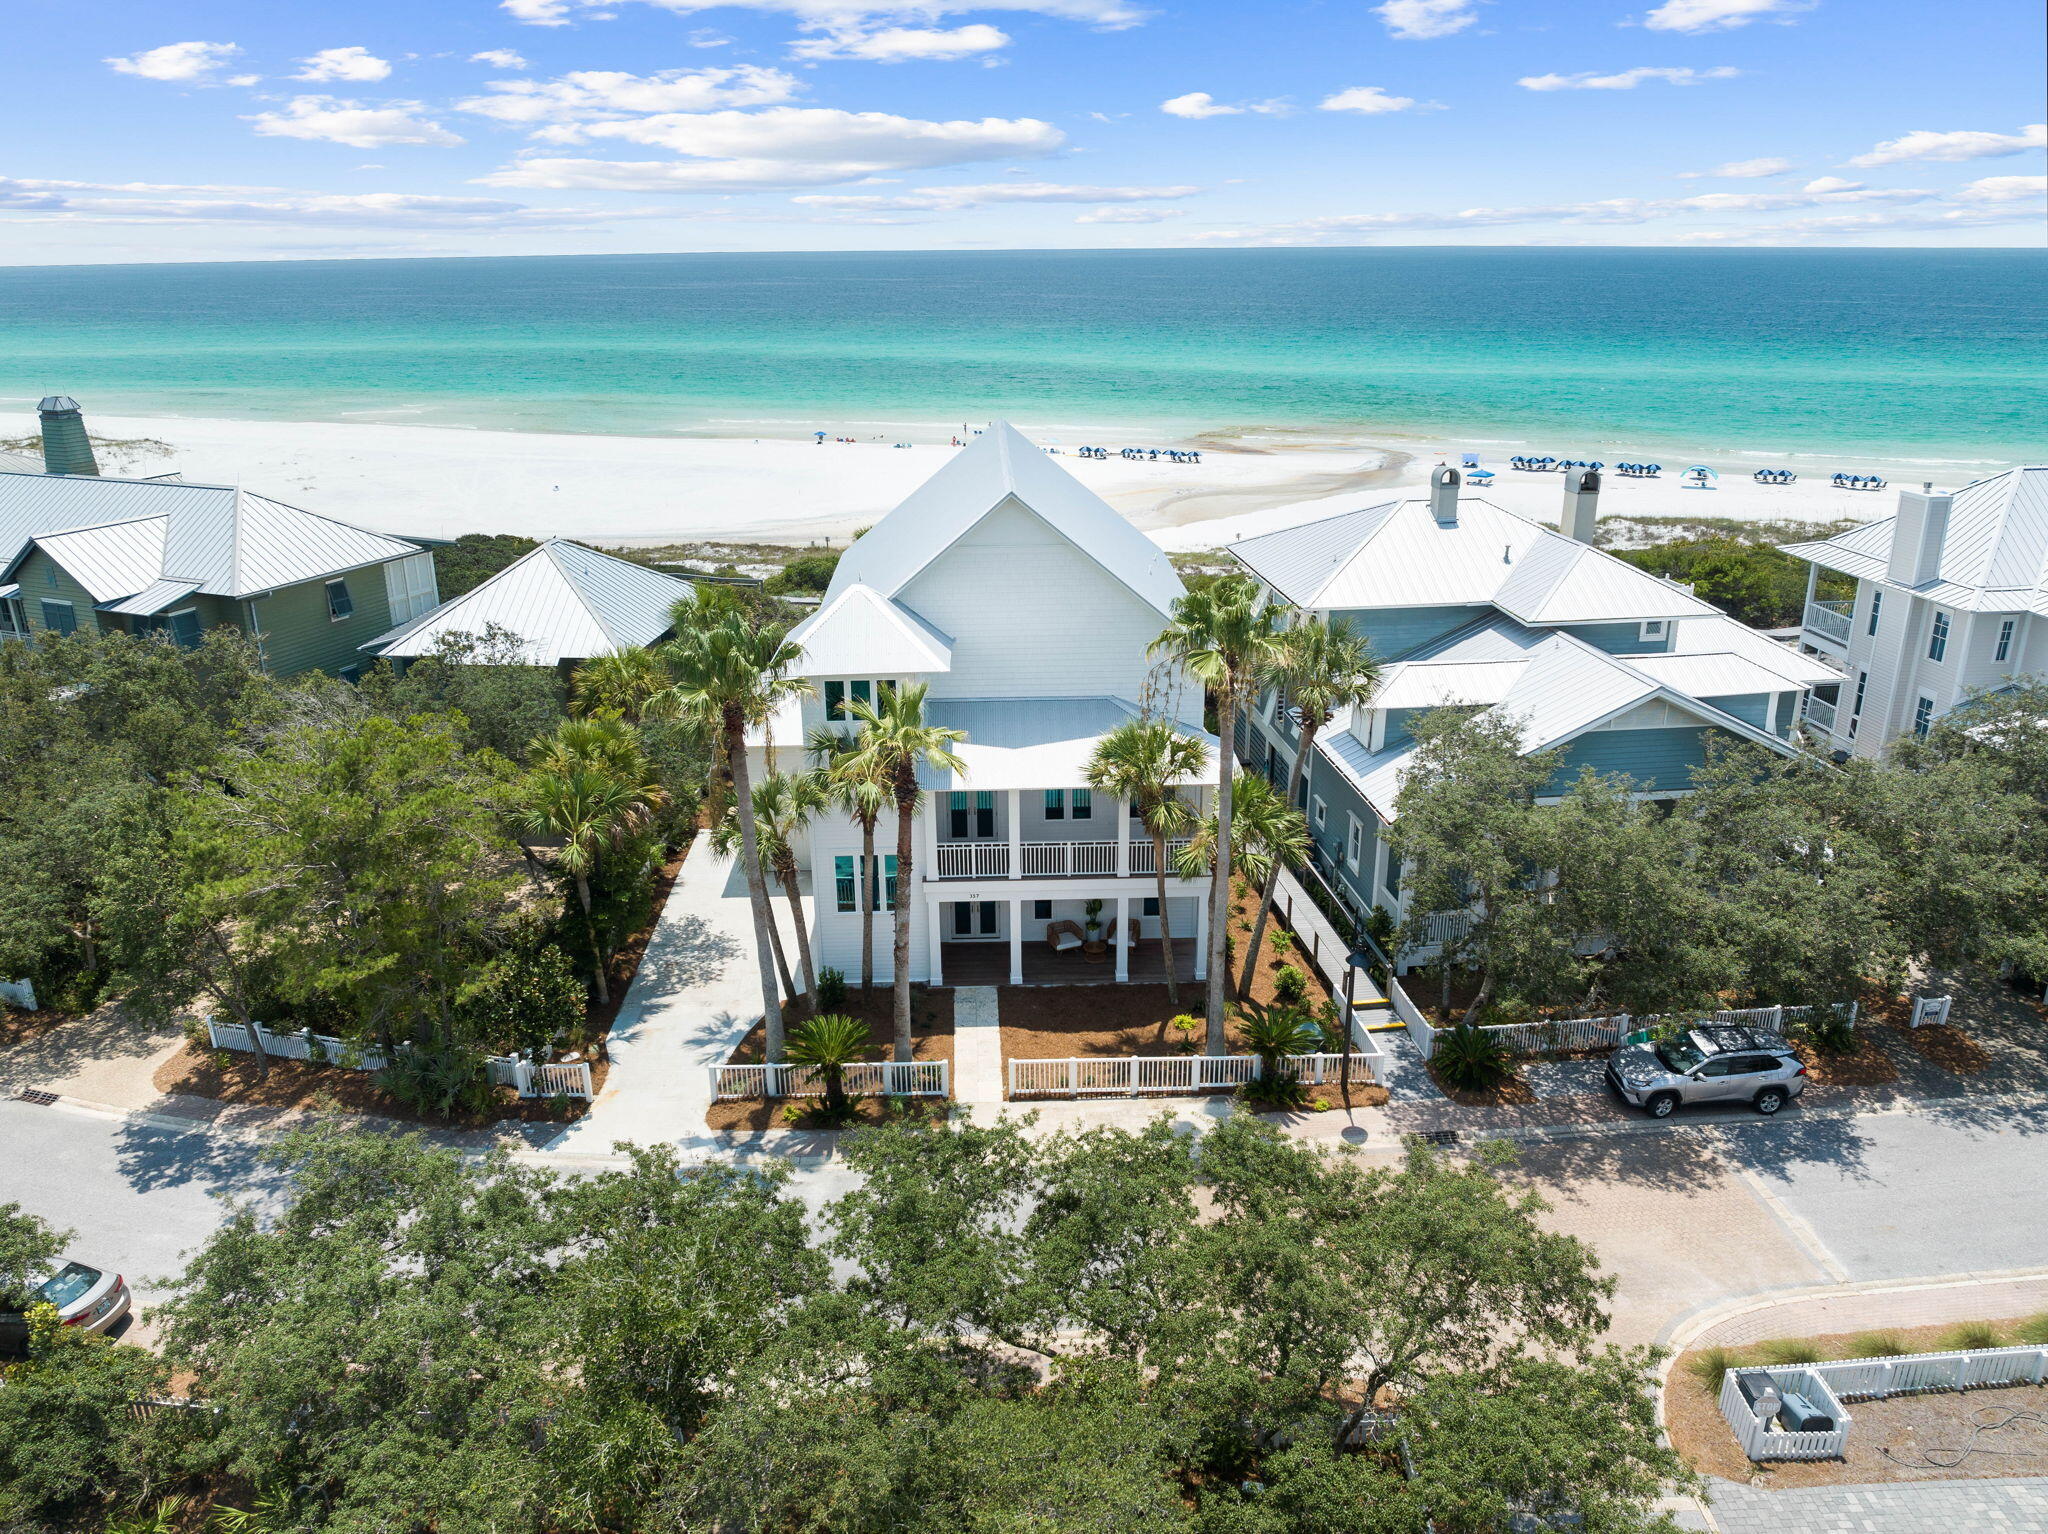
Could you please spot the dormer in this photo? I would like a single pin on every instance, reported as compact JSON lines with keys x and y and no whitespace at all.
{"x":858,"y":643}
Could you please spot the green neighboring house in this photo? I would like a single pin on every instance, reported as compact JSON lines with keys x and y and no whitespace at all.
{"x":89,"y":554}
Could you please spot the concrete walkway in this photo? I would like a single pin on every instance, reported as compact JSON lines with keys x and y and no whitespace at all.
{"x":695,"y":997}
{"x":977,"y":1047}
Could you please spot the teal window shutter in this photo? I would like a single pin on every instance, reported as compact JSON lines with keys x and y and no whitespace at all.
{"x":1055,"y":804}
{"x":888,"y":900}
{"x":835,"y":700}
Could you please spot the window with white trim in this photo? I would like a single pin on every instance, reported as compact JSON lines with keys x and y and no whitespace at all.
{"x":1041,"y":910}
{"x":971,"y":814}
{"x":970,"y":915}
{"x":839,"y":694}
{"x":1055,"y":804}
{"x":1082,"y":802}
{"x":1150,"y":906}
{"x":2004,"y":651}
{"x":1653,"y":630}
{"x":1321,"y":815}
{"x":1354,"y":841}
{"x":1923,"y":716}
{"x":882,"y":882}
{"x":1937,"y":638}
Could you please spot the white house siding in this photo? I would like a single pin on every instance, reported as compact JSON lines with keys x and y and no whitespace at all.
{"x":836,"y":937}
{"x":1980,"y":669}
{"x":1032,"y":616}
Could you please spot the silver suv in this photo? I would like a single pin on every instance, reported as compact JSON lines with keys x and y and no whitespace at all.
{"x":1713,"y":1063}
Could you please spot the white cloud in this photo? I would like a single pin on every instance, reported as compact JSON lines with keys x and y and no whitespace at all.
{"x":1420,"y":20}
{"x":501,"y":58}
{"x":1369,"y":99}
{"x":1741,"y":170}
{"x":1626,"y":80}
{"x":588,"y":95}
{"x":354,"y":64}
{"x":1831,"y":184}
{"x":244,"y":79}
{"x":1127,"y":215}
{"x":183,"y":62}
{"x":860,"y":15}
{"x":2003,"y":189}
{"x":395,"y":210}
{"x":895,"y":45}
{"x":1721,"y":15}
{"x":330,"y":120}
{"x":780,"y":147}
{"x":1924,"y":144}
{"x":947,"y":199}
{"x":1200,"y":104}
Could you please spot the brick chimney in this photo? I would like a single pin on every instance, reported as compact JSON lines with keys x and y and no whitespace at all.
{"x":66,"y":448}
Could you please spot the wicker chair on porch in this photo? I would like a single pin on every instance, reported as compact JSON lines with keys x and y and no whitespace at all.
{"x":1137,"y":933}
{"x":1064,"y":936}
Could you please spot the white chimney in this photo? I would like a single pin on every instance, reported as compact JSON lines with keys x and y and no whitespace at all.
{"x":1917,"y":535}
{"x":1443,"y":495}
{"x":1581,"y":504}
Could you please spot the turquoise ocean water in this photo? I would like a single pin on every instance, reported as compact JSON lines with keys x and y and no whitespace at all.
{"x":1908,"y":356}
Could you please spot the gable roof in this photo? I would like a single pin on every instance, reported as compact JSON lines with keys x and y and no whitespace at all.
{"x":1398,"y":555}
{"x":114,"y":560}
{"x":229,"y":541}
{"x":565,"y":602}
{"x":1000,"y":464}
{"x":860,"y":632}
{"x":1994,"y":553}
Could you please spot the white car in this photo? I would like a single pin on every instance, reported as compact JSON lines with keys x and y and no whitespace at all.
{"x":83,"y":1296}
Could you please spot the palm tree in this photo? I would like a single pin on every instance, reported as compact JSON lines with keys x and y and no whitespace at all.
{"x":725,"y":841}
{"x":728,"y":675}
{"x":1140,"y":763}
{"x":894,"y":744}
{"x":1228,"y":639}
{"x":784,"y":803}
{"x":831,"y":1043}
{"x":619,"y":683}
{"x":1323,"y":667}
{"x":865,"y":797}
{"x":594,"y":811}
{"x":603,"y":741}
{"x":1265,"y":830}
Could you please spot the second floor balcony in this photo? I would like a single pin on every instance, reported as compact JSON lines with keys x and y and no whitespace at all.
{"x":1049,"y":859}
{"x":1829,"y":621}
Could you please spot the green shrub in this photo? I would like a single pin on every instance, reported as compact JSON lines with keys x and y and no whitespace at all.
{"x":1877,"y":1345}
{"x":1833,"y":1035}
{"x":1972,"y":1336}
{"x":444,"y":1081}
{"x":1290,"y":986}
{"x":1709,"y":1365}
{"x":831,"y":989}
{"x":526,"y":998}
{"x":1789,"y":1350}
{"x":1469,"y":1060}
{"x":2033,"y":1330}
{"x":805,"y":573}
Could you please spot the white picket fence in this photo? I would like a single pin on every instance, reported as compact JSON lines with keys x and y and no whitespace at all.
{"x":1765,"y":1440}
{"x":1585,"y":1033}
{"x":874,"y":1078}
{"x":1828,"y":1385}
{"x":530,"y":1078}
{"x":1139,"y":1075}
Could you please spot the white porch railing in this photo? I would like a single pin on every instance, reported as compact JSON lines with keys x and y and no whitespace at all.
{"x":1141,"y":854}
{"x":1820,"y":714}
{"x":1059,"y":859}
{"x":530,"y":1078}
{"x":1138,"y":1075}
{"x":884,"y":1078}
{"x":971,"y":860}
{"x":1830,"y":620}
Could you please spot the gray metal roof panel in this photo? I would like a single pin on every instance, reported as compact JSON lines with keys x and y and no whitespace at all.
{"x":153,"y":598}
{"x":115,"y":560}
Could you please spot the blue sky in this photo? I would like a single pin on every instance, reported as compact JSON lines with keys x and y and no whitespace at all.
{"x":248,"y":129}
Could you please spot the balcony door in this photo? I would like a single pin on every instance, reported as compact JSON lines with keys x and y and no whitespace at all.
{"x":971,"y":815}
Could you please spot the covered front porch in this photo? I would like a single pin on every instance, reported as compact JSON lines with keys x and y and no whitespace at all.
{"x":998,"y":938}
{"x":988,"y":963}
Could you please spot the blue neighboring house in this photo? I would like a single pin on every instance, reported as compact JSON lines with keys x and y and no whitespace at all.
{"x":1468,"y":604}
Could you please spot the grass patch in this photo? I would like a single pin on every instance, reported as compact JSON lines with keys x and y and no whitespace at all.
{"x":1877,"y":1345}
{"x":1971,"y":1336}
{"x":2033,"y":1330}
{"x":1789,"y":1350}
{"x":1709,"y":1365}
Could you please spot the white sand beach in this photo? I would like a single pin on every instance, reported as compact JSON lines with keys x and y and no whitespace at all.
{"x":442,"y":482}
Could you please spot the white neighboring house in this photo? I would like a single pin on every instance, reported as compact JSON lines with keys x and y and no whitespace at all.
{"x":1951,"y":600}
{"x":1026,"y":604}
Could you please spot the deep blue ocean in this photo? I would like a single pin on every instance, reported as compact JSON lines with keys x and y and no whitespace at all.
{"x":1908,"y":355}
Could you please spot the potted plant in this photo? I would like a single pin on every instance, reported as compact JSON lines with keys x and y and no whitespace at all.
{"x":1094,"y":910}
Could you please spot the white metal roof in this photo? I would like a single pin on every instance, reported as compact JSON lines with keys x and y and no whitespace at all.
{"x":20,"y":463}
{"x":1035,"y":742}
{"x":860,"y":632}
{"x":1994,"y":553}
{"x":564,"y":601}
{"x":154,"y":598}
{"x":995,"y":466}
{"x":232,"y":542}
{"x":1711,"y":676}
{"x":111,"y":561}
{"x":1723,"y":635}
{"x":1400,"y":555}
{"x":1433,"y":684}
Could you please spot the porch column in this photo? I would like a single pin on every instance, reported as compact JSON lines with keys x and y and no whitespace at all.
{"x":1202,"y":935}
{"x":1016,"y":838}
{"x":1812,"y":581}
{"x":1123,"y":937}
{"x":933,"y":932}
{"x":1016,"y":940}
{"x":1123,"y":839}
{"x":929,"y":852}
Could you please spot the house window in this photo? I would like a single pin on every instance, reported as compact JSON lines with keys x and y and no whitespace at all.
{"x":1055,"y":804}
{"x":1653,"y":630}
{"x":351,"y":674}
{"x":1150,"y":906}
{"x":1392,"y":883}
{"x":10,"y":617}
{"x":1322,"y":815}
{"x":972,"y":814}
{"x":1862,"y":682}
{"x":185,"y":628}
{"x":1923,"y":716}
{"x":882,"y":884}
{"x":1354,"y":842}
{"x":60,"y":616}
{"x":1876,"y":604}
{"x":1041,"y":910}
{"x":839,"y":695}
{"x":843,"y":884}
{"x":2004,"y":641}
{"x":409,"y":586}
{"x":1084,"y":804}
{"x":340,"y":604}
{"x":1937,"y":641}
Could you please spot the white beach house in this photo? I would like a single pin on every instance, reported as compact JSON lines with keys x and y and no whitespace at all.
{"x":1026,"y":604}
{"x":1951,"y":600}
{"x":1468,"y":604}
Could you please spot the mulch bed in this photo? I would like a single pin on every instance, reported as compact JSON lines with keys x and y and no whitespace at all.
{"x":1908,"y":1425}
{"x":931,"y":1038}
{"x":19,"y":1027}
{"x":1870,"y":1066}
{"x":1511,"y":1093}
{"x":1946,"y":1046}
{"x":195,"y":1071}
